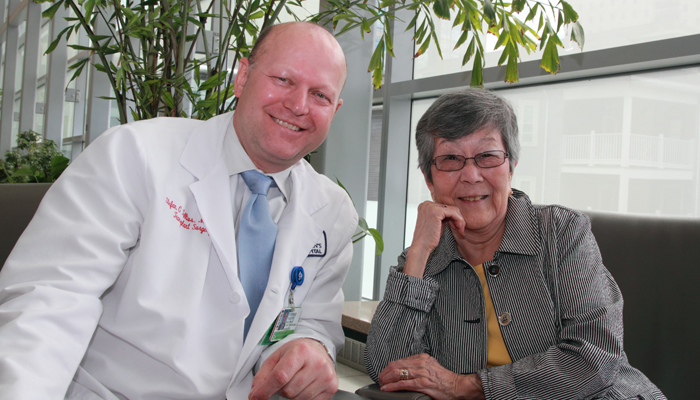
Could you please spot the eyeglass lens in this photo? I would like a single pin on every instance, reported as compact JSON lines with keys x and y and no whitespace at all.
{"x":453,"y":162}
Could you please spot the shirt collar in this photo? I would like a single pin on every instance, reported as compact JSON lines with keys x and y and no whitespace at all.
{"x":237,"y":161}
{"x":522,"y":233}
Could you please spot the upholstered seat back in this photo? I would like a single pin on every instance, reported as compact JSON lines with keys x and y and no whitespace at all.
{"x":18,"y":203}
{"x":656,"y":263}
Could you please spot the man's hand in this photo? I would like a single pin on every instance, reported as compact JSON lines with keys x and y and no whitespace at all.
{"x":300,"y":369}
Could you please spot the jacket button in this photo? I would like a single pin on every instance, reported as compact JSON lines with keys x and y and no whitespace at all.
{"x":504,"y":318}
{"x":494,"y":270}
{"x":235,"y":298}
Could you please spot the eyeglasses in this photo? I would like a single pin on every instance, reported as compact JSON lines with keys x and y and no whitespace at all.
{"x":454,"y":162}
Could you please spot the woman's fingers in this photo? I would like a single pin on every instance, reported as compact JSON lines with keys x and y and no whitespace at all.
{"x":430,"y":224}
{"x":424,"y":374}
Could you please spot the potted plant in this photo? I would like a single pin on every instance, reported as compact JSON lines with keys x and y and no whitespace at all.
{"x":35,"y":160}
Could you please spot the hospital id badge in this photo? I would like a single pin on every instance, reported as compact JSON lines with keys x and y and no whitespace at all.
{"x":284,"y":325}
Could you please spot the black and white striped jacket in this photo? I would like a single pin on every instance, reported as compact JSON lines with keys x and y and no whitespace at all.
{"x":560,"y":313}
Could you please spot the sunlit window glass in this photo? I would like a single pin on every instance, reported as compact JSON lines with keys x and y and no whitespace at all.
{"x":602,"y":145}
{"x":607,"y":24}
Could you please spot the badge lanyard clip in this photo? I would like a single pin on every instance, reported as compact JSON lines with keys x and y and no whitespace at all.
{"x":287,"y":320}
{"x":297,"y":278}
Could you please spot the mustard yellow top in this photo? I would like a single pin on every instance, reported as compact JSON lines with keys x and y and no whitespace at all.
{"x":496,"y":352}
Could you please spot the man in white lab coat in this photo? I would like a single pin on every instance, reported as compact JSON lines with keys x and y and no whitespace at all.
{"x":125,"y":284}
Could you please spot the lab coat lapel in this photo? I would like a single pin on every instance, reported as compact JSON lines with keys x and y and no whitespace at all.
{"x":297,"y":234}
{"x":203,"y":157}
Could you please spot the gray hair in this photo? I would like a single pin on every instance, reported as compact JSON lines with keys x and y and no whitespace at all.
{"x":461,"y":113}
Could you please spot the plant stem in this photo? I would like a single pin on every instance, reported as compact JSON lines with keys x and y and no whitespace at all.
{"x":85,"y":24}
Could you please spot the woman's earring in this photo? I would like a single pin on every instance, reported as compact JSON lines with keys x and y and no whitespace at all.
{"x":511,"y":192}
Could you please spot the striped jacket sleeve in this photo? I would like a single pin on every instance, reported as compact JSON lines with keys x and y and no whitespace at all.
{"x":399,"y":323}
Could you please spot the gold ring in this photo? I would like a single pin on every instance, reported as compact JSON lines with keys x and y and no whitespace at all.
{"x":403,"y":374}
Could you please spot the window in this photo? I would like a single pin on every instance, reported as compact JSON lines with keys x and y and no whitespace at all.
{"x":607,"y":25}
{"x":626,"y":144}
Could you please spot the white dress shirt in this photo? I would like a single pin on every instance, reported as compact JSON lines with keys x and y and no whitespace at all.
{"x":238,"y":161}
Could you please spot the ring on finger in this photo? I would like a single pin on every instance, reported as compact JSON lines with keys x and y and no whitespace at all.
{"x":403,"y":374}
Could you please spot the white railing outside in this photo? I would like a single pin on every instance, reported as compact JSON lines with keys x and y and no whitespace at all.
{"x":642,"y":150}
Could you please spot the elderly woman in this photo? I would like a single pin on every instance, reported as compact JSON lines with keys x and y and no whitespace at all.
{"x":496,"y":298}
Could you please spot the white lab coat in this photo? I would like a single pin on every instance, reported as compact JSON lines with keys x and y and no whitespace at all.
{"x":108,"y":278}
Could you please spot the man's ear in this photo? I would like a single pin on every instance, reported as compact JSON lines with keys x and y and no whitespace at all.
{"x":241,"y":76}
{"x":340,"y":103}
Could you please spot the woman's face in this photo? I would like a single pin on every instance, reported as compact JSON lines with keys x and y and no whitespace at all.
{"x":481,"y":194}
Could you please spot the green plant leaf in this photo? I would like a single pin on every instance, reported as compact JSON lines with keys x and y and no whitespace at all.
{"x":423,"y":47}
{"x":338,"y":17}
{"x":167,"y":98}
{"x":78,"y":67}
{"x":441,"y":8}
{"x":413,"y":22}
{"x":570,"y":14}
{"x":468,"y":54}
{"x":389,"y":43}
{"x":376,"y":60}
{"x":577,"y":34}
{"x":81,"y":48}
{"x":256,"y":15}
{"x":504,"y":55}
{"x":53,"y":44}
{"x":461,"y":40}
{"x":377,"y":76}
{"x":88,"y":6}
{"x":378,"y":241}
{"x":24,"y":171}
{"x":550,"y":57}
{"x":362,"y":224}
{"x":437,"y":43}
{"x":560,"y":20}
{"x":365,"y":27}
{"x":477,"y":76}
{"x":489,"y":10}
{"x":533,"y":13}
{"x":459,"y":19}
{"x":214,"y":81}
{"x":51,"y":11}
{"x":512,"y":67}
{"x":502,"y":39}
{"x":517,"y":6}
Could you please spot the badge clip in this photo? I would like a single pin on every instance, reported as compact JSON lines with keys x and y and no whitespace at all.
{"x":286,"y":322}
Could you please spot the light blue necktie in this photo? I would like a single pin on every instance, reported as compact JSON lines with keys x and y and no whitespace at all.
{"x":256,"y":241}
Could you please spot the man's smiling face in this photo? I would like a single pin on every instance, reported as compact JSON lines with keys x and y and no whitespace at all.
{"x":288,"y":97}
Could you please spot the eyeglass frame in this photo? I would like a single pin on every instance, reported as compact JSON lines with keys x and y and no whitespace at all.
{"x":464,"y":163}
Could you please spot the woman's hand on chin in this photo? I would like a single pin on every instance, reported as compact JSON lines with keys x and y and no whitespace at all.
{"x":427,"y":376}
{"x":430,"y":224}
